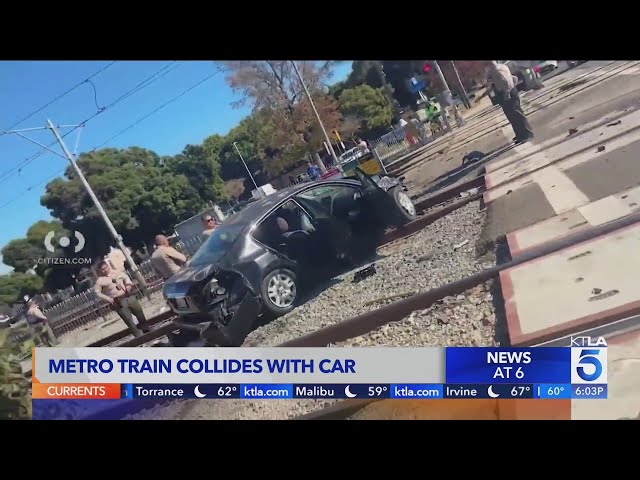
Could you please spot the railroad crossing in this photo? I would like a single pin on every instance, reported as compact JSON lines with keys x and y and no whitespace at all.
{"x":562,"y":215}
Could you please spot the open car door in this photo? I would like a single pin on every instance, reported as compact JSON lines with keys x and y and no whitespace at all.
{"x":377,"y":199}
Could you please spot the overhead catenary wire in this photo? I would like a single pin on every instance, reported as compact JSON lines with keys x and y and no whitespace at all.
{"x":140,"y":120}
{"x":86,"y":80}
{"x":145,"y":83}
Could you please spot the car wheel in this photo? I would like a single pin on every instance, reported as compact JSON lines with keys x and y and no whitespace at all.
{"x":406,"y":210}
{"x":279,"y":290}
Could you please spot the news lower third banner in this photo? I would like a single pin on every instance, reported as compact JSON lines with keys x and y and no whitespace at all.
{"x":99,"y":380}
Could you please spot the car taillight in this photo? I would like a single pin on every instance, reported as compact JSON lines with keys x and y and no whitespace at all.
{"x":536,"y":69}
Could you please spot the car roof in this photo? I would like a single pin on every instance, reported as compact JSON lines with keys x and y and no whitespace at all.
{"x":258,"y":209}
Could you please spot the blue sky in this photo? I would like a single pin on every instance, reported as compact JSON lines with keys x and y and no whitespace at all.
{"x":26,"y":86}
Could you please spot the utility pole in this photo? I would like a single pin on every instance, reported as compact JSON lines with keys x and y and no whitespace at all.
{"x":313,"y":106}
{"x":245,"y":166}
{"x":463,"y":92}
{"x":107,"y":221}
{"x":445,"y":98}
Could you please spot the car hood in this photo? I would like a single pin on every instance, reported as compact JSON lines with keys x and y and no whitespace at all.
{"x":180,"y":283}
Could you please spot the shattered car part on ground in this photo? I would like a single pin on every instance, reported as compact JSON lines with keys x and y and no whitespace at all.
{"x":364,"y":273}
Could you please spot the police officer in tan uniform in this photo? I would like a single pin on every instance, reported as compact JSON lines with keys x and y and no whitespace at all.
{"x":502,"y":81}
{"x":166,"y":260}
{"x":116,"y":288}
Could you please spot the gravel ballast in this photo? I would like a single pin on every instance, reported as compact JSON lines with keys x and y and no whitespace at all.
{"x":441,"y":253}
{"x":431,"y":258}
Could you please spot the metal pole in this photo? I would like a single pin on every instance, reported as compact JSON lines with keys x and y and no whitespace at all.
{"x":463,"y":92}
{"x":112,"y":230}
{"x":324,"y":131}
{"x":245,"y":166}
{"x":444,"y":96}
{"x":441,"y":75}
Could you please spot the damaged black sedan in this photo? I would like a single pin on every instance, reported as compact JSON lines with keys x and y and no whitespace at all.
{"x":260,"y":259}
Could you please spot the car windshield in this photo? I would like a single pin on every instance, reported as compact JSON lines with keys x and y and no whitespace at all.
{"x":217,"y":245}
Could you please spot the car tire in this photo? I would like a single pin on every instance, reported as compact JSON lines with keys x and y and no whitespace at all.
{"x":274,"y":286}
{"x":405,"y":208}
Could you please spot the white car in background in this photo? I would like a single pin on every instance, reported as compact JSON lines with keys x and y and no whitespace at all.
{"x":544,"y":67}
{"x":353,"y":154}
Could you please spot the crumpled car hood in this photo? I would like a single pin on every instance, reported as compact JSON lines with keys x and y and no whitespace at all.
{"x":184,"y":278}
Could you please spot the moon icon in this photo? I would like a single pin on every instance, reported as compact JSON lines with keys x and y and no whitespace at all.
{"x":348,"y":393}
{"x":197,"y":392}
{"x":491,"y":393}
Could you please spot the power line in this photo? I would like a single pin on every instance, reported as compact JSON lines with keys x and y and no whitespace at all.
{"x":145,"y":83}
{"x":86,"y":80}
{"x":140,"y":120}
{"x":22,"y":194}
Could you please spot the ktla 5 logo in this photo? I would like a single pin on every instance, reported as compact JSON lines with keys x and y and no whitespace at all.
{"x":588,"y":365}
{"x":64,"y":242}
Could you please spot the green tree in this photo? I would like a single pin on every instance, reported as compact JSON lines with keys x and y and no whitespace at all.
{"x":201,"y":167}
{"x":234,"y":188}
{"x":14,"y":286}
{"x":142,"y":195}
{"x":371,"y":106}
{"x":23,"y":253}
{"x":398,"y":73}
{"x":366,"y":72}
{"x":245,"y":135}
{"x":15,"y":388}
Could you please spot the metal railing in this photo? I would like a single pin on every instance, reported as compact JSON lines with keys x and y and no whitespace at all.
{"x":405,"y":139}
{"x":85,"y":308}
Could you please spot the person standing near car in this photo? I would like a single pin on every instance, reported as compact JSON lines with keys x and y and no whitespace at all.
{"x":39,"y":322}
{"x":501,"y":80}
{"x":209,"y":223}
{"x":166,"y":260}
{"x":116,"y":288}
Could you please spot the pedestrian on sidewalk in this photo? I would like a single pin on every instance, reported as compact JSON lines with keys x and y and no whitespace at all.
{"x":166,"y":260}
{"x":502,"y":82}
{"x":40,"y":324}
{"x":116,"y":288}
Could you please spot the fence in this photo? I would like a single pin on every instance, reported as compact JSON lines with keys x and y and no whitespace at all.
{"x":86,"y":307}
{"x":398,"y":141}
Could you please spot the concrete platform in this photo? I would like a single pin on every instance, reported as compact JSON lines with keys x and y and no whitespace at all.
{"x":583,"y":218}
{"x":515,"y":172}
{"x":590,"y":284}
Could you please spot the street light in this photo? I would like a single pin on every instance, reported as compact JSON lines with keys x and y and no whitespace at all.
{"x":245,"y":166}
